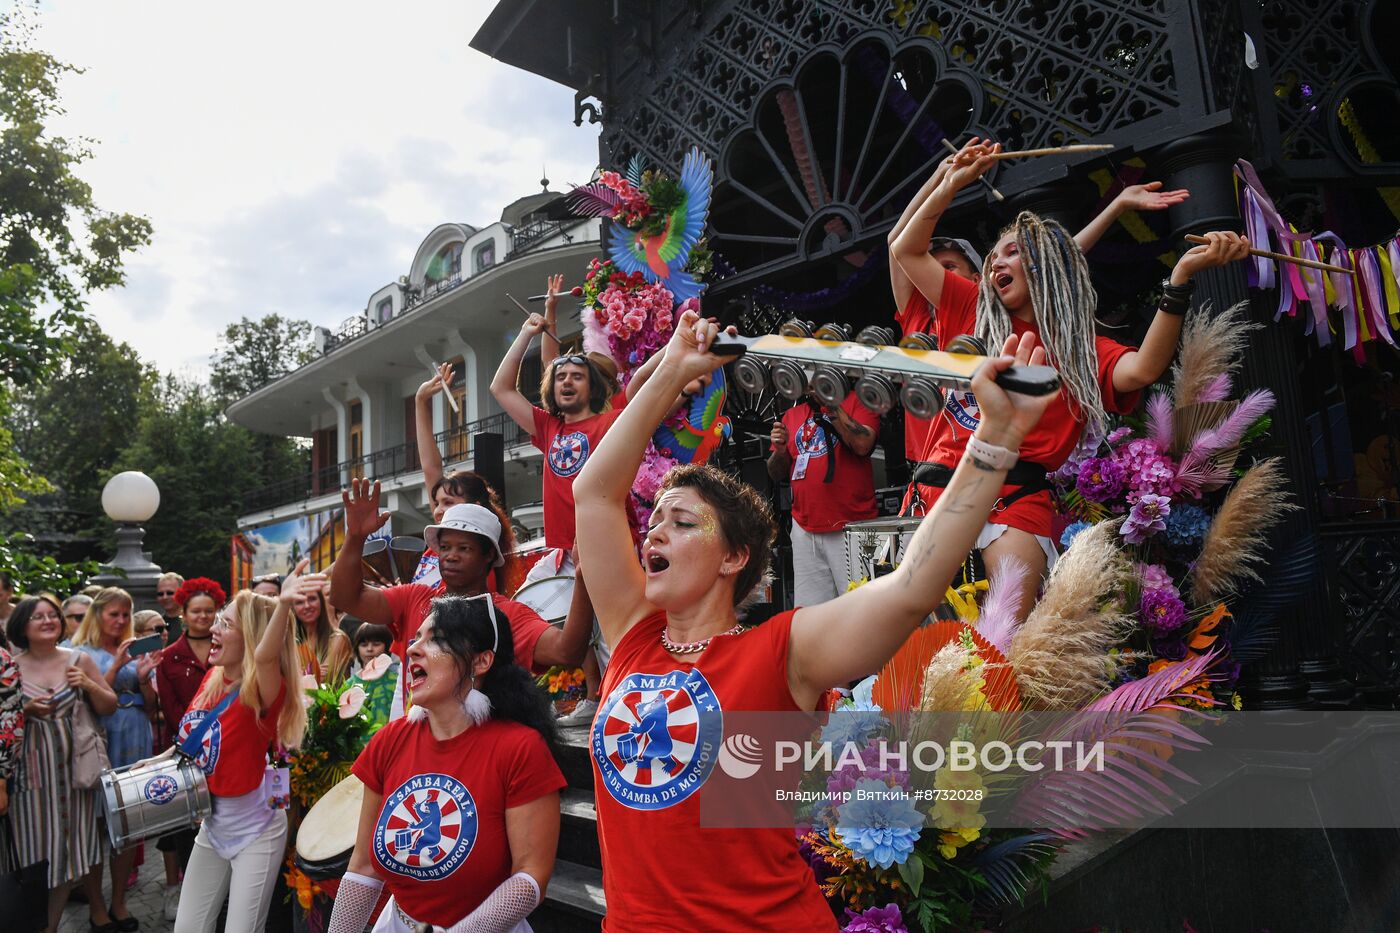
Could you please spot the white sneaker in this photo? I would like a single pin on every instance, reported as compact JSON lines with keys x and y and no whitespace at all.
{"x":581,"y":715}
{"x":171,"y":901}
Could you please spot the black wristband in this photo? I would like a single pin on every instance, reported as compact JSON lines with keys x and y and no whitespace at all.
{"x":1174,"y":307}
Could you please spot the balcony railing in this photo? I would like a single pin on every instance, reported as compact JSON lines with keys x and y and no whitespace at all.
{"x":387,"y":463}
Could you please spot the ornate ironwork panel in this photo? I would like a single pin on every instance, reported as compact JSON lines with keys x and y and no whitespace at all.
{"x":1331,"y":68}
{"x":1363,"y":563}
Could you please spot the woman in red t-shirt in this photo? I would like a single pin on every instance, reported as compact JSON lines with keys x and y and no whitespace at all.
{"x":680,"y":662}
{"x":240,"y":847}
{"x":460,"y":816}
{"x":1036,"y":283}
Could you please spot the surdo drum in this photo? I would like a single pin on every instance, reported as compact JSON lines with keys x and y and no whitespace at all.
{"x":549,"y":596}
{"x":152,"y":798}
{"x":326,"y":837}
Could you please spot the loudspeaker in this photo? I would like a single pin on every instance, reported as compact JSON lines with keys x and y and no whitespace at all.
{"x":489,"y":460}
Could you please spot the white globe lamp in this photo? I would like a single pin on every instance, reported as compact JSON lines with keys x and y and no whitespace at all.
{"x":129,"y":499}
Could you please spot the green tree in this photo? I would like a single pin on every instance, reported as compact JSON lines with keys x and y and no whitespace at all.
{"x":253,"y":353}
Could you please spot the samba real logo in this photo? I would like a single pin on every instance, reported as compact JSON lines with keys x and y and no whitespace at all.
{"x":426,"y":828}
{"x":656,"y":738}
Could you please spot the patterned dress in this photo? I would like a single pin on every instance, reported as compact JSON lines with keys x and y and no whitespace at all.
{"x":11,"y":733}
{"x":128,"y":729}
{"x":49,"y":817}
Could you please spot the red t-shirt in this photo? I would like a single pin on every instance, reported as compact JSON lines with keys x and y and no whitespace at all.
{"x":566,"y":448}
{"x":410,"y":604}
{"x":756,"y":875}
{"x":440,"y":840}
{"x":234,"y":750}
{"x":819,"y":506}
{"x":1051,"y":441}
{"x":916,"y":317}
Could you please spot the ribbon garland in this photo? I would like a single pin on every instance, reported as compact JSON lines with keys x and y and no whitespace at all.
{"x":1368,"y":302}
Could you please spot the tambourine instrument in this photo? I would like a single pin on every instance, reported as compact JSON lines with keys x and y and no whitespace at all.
{"x":152,"y":798}
{"x":827,"y":362}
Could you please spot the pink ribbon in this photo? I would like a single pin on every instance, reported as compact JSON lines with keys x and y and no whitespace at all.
{"x":1373,"y":295}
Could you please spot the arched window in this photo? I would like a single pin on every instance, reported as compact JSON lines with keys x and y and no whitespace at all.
{"x":484,"y":256}
{"x":447,"y":264}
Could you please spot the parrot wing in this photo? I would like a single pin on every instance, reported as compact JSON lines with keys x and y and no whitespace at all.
{"x":687,"y":222}
{"x":679,"y":444}
{"x":627,"y":255}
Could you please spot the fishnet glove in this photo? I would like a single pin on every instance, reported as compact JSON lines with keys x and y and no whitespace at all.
{"x":354,"y":903}
{"x":509,"y":904}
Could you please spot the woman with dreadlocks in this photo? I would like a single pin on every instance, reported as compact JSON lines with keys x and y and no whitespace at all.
{"x":1036,"y":283}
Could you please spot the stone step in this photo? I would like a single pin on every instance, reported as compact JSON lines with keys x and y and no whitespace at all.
{"x":578,"y":828}
{"x":574,"y":901}
{"x":572,"y":757}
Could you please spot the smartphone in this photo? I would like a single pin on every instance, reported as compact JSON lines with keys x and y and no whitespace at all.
{"x":146,"y":645}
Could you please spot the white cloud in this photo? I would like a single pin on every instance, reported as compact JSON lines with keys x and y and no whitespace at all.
{"x":292,"y":155}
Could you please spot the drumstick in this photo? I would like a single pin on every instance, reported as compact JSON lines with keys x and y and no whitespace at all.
{"x":1281,"y":257}
{"x":528,"y":312}
{"x":447,"y":391}
{"x":1054,"y":150}
{"x":576,"y":291}
{"x":982,"y":178}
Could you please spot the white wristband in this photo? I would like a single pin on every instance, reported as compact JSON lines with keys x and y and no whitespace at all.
{"x":998,"y":458}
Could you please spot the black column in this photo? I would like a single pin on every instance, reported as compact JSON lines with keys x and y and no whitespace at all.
{"x":1302,"y":670}
{"x":1063,"y":201}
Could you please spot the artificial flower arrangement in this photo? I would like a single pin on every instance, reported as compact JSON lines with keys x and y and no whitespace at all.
{"x":1137,"y":634}
{"x":563,"y":686}
{"x":339,"y":723}
{"x":1193,"y":523}
{"x":655,"y":271}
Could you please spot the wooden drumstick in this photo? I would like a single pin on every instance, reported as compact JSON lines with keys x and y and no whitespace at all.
{"x":1281,"y":257}
{"x":1054,"y":150}
{"x":528,"y":312}
{"x":447,"y":391}
{"x":982,"y":178}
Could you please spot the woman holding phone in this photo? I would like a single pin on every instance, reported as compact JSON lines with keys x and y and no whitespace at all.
{"x":107,"y":636}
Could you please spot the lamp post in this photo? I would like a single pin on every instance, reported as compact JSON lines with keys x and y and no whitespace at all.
{"x":128,"y":499}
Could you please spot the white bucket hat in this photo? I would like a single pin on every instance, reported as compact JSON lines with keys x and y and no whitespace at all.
{"x":472,"y":518}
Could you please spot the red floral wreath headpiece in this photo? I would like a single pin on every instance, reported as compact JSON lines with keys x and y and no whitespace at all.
{"x":192,"y":588}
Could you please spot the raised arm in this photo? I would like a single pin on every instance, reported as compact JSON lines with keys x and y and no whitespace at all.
{"x":860,"y":438}
{"x":601,"y":490}
{"x":267,"y":656}
{"x":549,"y":340}
{"x":348,"y":590}
{"x":428,"y":454}
{"x":853,"y":635}
{"x":1142,"y":367}
{"x":1148,"y":197}
{"x":504,"y":386}
{"x":566,"y":645}
{"x":899,"y":281}
{"x":910,"y":248}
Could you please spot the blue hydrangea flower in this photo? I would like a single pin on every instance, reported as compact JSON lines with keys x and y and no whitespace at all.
{"x":881,"y":829}
{"x":852,"y":722}
{"x":1187,"y":525}
{"x":1067,"y":537}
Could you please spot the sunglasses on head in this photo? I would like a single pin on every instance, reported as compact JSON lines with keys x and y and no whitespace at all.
{"x":578,"y":359}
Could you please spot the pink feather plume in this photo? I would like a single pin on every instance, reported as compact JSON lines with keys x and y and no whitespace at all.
{"x":1159,"y":419}
{"x":1000,"y":615}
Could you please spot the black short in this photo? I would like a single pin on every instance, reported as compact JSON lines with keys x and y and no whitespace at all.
{"x":181,"y":842}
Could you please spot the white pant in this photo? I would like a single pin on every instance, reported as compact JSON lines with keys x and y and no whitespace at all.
{"x":250,"y":877}
{"x":819,"y":568}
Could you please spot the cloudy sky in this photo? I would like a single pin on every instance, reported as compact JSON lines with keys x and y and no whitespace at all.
{"x":292,"y":155}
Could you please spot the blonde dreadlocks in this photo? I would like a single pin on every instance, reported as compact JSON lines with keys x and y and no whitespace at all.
{"x":1063,"y":303}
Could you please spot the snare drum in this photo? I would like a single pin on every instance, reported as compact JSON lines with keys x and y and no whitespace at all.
{"x":874,"y":542}
{"x":152,"y":798}
{"x":550,"y":597}
{"x":326,"y":837}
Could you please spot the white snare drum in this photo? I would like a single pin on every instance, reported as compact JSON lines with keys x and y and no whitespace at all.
{"x":326,"y":836}
{"x":875,"y":542}
{"x":550,"y":597}
{"x":153,"y":798}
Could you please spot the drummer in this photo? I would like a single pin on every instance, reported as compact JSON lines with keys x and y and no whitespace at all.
{"x":460,"y":816}
{"x":825,"y":454}
{"x":468,"y":542}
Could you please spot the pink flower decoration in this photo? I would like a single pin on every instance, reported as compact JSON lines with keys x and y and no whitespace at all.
{"x":377,"y":667}
{"x":352,"y":701}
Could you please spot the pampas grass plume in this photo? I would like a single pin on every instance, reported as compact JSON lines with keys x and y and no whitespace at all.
{"x":1211,"y":346}
{"x":1233,"y":546}
{"x":1060,"y":653}
{"x":948,"y":686}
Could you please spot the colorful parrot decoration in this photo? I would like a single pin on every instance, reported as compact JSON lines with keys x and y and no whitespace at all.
{"x":661,"y":258}
{"x":702,"y":426}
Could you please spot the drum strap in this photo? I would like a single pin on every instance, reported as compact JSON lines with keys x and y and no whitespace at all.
{"x":190,"y":747}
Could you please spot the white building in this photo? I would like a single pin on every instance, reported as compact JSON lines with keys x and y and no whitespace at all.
{"x":355,"y":400}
